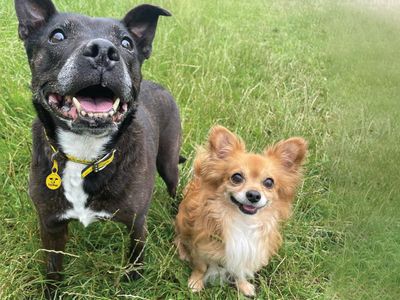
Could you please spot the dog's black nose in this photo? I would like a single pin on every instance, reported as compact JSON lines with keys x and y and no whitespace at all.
{"x":253,"y":196}
{"x":102,"y":53}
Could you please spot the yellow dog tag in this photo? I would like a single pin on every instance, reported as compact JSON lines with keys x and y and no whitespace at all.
{"x":53,"y":180}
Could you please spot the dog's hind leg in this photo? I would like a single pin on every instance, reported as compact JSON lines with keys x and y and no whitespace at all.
{"x":182,"y":251}
{"x":54,"y":236}
{"x":169,"y":173}
{"x":168,"y":157}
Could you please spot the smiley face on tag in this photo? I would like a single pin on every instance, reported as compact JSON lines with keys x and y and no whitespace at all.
{"x":53,"y":180}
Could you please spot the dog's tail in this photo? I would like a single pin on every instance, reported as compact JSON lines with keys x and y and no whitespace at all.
{"x":182,"y":159}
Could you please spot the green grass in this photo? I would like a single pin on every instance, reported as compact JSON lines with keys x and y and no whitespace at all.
{"x":267,"y":70}
{"x":365,"y":177}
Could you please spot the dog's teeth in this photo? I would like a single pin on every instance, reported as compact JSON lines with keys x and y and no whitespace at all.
{"x":125,"y":107}
{"x":90,"y":115}
{"x":116,"y":104}
{"x":83,"y":113}
{"x":77,"y":104}
{"x":111,"y":112}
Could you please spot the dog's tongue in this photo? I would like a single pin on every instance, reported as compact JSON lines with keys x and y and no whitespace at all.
{"x":249,"y":208}
{"x":95,"y":105}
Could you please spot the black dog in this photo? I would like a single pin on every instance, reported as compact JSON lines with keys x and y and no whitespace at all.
{"x":101,"y":131}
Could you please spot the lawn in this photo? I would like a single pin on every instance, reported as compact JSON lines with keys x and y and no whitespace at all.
{"x":267,"y":70}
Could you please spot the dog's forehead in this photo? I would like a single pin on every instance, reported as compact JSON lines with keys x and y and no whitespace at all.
{"x":251,"y":164}
{"x":86,"y":23}
{"x":257,"y":165}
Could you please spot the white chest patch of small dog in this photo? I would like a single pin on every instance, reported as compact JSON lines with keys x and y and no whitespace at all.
{"x":83,"y":147}
{"x":245,"y":246}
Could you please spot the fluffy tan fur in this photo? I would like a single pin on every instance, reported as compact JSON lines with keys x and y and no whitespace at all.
{"x":211,"y":231}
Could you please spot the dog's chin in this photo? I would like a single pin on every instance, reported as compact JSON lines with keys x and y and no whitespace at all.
{"x":245,"y":208}
{"x":94,"y":109}
{"x":94,"y":130}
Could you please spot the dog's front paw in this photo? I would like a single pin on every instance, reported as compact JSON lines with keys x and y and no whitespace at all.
{"x":133,"y":275}
{"x":50,"y":291}
{"x":246,"y":288}
{"x":53,"y":281}
{"x":195,"y":284}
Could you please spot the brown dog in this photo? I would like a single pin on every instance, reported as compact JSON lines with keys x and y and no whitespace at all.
{"x":229,"y":218}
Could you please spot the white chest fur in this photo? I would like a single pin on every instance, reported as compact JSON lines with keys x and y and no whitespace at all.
{"x":245,"y":244}
{"x":84,"y":147}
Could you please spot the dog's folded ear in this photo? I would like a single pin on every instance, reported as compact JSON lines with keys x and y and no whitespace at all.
{"x":32,"y":14}
{"x":224,"y":143}
{"x":142,"y":22}
{"x":290,"y":153}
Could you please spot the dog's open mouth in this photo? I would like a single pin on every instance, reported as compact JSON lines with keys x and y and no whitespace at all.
{"x":91,"y":103}
{"x":245,"y":208}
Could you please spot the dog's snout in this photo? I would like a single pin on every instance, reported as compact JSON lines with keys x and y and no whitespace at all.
{"x":253,"y":196}
{"x":102,"y":52}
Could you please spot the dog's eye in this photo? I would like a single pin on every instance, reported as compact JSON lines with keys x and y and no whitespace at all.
{"x":127,"y":43}
{"x":57,"y":36}
{"x":237,"y":178}
{"x":268,"y":183}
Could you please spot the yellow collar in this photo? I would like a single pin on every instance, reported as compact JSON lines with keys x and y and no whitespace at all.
{"x":92,"y":165}
{"x":97,"y":165}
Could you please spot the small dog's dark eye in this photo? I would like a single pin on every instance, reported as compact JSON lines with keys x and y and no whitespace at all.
{"x":237,"y":178}
{"x":268,"y":183}
{"x":127,"y":43}
{"x":57,"y":36}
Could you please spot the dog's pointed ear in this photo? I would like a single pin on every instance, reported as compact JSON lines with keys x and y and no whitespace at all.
{"x":290,"y":153}
{"x":32,"y":14}
{"x":223,"y":143}
{"x":142,"y":22}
